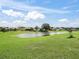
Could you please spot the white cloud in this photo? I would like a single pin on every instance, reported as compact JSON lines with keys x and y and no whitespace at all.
{"x":4,"y":23}
{"x":67,"y":23}
{"x":30,"y":15}
{"x":12,"y":13}
{"x":18,"y":23}
{"x":63,"y":20}
{"x":15,"y":23}
{"x":21,"y":6}
{"x":70,"y":5}
{"x":34,"y":15}
{"x":66,"y":7}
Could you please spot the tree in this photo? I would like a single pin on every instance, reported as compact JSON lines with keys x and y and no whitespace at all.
{"x":70,"y":33}
{"x":36,"y":28}
{"x":4,"y":30}
{"x":45,"y":28}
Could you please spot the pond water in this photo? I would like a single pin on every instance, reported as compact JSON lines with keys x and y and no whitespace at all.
{"x":37,"y":34}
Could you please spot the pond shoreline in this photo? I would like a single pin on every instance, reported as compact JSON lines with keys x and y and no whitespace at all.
{"x":36,"y":34}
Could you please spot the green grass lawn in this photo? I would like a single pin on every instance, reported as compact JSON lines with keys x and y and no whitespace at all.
{"x":48,"y":47}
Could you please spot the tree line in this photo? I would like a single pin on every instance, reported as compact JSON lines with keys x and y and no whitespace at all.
{"x":44,"y":27}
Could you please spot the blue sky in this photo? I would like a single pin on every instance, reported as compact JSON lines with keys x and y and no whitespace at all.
{"x":58,"y":13}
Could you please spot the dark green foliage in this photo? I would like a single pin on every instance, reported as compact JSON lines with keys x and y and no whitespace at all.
{"x":45,"y":28}
{"x":36,"y":28}
{"x":4,"y":30}
{"x":70,"y":33}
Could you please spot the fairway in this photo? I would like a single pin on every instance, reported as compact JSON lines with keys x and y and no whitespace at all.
{"x":56,"y":46}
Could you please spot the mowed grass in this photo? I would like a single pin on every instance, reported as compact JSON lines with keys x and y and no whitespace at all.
{"x":48,"y":47}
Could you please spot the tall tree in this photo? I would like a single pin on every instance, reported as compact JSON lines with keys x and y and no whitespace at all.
{"x":70,"y":33}
{"x":45,"y":28}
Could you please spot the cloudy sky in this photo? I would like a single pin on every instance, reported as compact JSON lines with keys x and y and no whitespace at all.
{"x":57,"y":13}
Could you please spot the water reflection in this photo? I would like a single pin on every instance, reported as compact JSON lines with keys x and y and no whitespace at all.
{"x":37,"y":34}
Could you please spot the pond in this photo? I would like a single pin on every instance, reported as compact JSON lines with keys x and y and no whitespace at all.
{"x":36,"y":34}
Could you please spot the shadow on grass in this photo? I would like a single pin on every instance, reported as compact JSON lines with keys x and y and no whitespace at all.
{"x":71,"y":37}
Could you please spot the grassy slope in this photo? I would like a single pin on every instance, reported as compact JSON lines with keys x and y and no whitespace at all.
{"x":51,"y":47}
